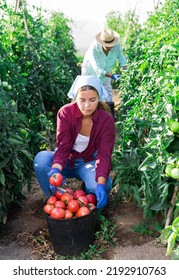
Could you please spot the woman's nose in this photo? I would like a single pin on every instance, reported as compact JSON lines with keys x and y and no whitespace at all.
{"x":87,"y":104}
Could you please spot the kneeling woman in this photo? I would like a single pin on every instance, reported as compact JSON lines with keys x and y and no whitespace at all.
{"x":85,"y":139}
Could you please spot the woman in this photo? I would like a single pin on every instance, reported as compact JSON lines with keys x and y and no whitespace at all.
{"x":85,"y":139}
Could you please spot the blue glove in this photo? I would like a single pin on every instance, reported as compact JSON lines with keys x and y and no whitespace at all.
{"x":116,"y":77}
{"x":52,"y":189}
{"x":101,"y":195}
{"x":52,"y":171}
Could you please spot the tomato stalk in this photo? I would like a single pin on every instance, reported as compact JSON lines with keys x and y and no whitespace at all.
{"x":173,"y":200}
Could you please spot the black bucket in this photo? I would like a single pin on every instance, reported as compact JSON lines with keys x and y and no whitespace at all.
{"x":71,"y":236}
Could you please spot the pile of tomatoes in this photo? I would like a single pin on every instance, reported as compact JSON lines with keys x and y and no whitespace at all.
{"x":70,"y":204}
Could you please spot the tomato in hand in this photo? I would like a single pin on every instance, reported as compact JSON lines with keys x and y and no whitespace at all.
{"x":56,"y":179}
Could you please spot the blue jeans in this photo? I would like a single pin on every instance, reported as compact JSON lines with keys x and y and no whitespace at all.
{"x":81,"y":171}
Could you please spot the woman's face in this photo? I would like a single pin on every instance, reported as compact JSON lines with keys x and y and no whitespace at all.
{"x":87,"y":101}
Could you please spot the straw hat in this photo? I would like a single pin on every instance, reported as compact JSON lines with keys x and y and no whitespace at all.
{"x":107,"y":38}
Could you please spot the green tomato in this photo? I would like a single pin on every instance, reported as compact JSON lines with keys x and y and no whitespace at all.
{"x":23,"y":131}
{"x":175,"y":173}
{"x":175,"y":126}
{"x":9,"y":87}
{"x":168,"y":169}
{"x":4,"y":84}
{"x":49,"y":114}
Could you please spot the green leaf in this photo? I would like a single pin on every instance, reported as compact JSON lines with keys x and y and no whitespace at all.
{"x":2,"y":177}
{"x":171,"y":242}
{"x":175,"y":224}
{"x":28,"y":155}
{"x":4,"y":162}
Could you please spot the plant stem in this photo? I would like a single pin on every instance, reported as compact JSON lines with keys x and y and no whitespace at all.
{"x":170,"y":211}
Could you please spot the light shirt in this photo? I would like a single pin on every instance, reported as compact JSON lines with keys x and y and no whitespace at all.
{"x":97,"y":63}
{"x":81,"y":143}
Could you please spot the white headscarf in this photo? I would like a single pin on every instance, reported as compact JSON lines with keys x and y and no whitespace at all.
{"x":93,"y":81}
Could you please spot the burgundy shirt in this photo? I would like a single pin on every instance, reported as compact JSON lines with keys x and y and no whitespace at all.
{"x":102,"y":137}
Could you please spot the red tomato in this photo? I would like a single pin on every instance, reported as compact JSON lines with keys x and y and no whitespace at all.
{"x":48,"y":208}
{"x":73,"y":205}
{"x":91,"y":206}
{"x":60,"y":204}
{"x":69,"y":190}
{"x":68,"y":214}
{"x":83,"y":211}
{"x":83,"y":200}
{"x":78,"y":193}
{"x":91,"y":198}
{"x":56,"y":179}
{"x":58,"y":194}
{"x":57,"y":213}
{"x":66,"y":197}
{"x":51,"y":200}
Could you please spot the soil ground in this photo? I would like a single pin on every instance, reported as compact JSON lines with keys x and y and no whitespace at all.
{"x":26,"y":235}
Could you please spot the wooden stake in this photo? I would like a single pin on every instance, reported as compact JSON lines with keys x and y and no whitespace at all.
{"x":170,"y":211}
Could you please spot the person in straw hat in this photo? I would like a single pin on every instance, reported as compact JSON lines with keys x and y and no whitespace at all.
{"x":101,"y":57}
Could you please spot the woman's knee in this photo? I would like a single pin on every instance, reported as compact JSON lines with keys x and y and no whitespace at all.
{"x":43,"y":160}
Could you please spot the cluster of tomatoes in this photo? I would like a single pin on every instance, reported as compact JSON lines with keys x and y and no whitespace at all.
{"x":69,"y":204}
